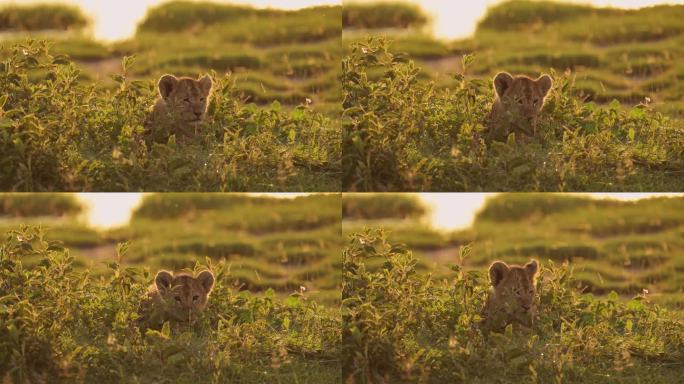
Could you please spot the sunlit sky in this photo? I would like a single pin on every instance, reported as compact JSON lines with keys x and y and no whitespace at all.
{"x":108,"y":210}
{"x":454,"y":19}
{"x":116,"y":20}
{"x":450,"y":211}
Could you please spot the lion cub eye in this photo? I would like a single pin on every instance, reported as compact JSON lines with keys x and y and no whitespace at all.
{"x":195,"y":298}
{"x":520,"y":101}
{"x":187,"y":100}
{"x":536,"y":101}
{"x":177,"y":298}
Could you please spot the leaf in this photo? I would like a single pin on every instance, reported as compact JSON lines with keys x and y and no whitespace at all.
{"x":118,"y":78}
{"x":292,"y":301}
{"x":628,"y":326}
{"x":270,"y":293}
{"x":166,"y":330}
{"x":6,"y":123}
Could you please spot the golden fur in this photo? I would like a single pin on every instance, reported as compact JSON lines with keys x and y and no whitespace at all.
{"x":176,"y":297}
{"x":518,"y":102}
{"x":512,"y":299}
{"x":181,"y":106}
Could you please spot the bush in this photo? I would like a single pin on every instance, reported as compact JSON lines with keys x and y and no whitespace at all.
{"x":385,"y":206}
{"x":515,"y":207}
{"x":67,"y":326}
{"x":36,"y":204}
{"x":41,"y":17}
{"x":401,"y":133}
{"x":59,"y":134}
{"x":518,"y":14}
{"x":402,"y":326}
{"x":382,"y":15}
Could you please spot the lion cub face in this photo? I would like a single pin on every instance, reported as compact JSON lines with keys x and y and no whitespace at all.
{"x":186,"y":98}
{"x":182,"y":295}
{"x":512,"y":299}
{"x":521,"y":96}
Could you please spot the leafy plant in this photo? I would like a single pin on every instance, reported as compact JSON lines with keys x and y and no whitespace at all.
{"x":402,"y":133}
{"x":400,"y":325}
{"x":61,"y":325}
{"x":59,"y":134}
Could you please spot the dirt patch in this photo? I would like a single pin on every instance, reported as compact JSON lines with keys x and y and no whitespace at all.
{"x":104,"y":67}
{"x":446,"y":65}
{"x":105,"y":252}
{"x":442,"y":256}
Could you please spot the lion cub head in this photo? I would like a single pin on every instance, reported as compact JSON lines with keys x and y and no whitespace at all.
{"x":521,"y":96}
{"x":513,"y":294}
{"x":186,"y":98}
{"x":183,"y":295}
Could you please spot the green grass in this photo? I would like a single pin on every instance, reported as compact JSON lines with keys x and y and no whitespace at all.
{"x":403,"y":132}
{"x":61,"y":323}
{"x":402,"y":325}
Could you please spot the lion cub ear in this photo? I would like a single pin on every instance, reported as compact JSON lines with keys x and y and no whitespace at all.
{"x":163,"y":280}
{"x":167,"y":84}
{"x":532,"y":268}
{"x":502,"y":81}
{"x":206,"y":83}
{"x":497,"y":272}
{"x":206,"y":280}
{"x":544,"y":84}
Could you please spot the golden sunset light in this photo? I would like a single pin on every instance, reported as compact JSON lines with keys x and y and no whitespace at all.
{"x":109,"y":210}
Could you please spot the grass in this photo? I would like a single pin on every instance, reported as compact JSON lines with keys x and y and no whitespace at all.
{"x":611,"y":245}
{"x":60,"y":134}
{"x":576,"y":337}
{"x":61,"y":324}
{"x":402,"y":132}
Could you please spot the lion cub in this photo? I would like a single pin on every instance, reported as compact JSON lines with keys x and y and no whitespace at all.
{"x":516,"y":107}
{"x":182,"y":105}
{"x":176,"y":297}
{"x":512,"y":298}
